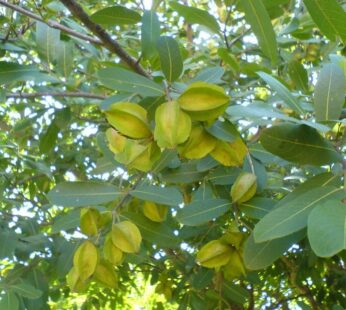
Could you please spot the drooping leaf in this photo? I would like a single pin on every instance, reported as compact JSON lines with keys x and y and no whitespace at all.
{"x":127,"y":81}
{"x":200,"y":212}
{"x":185,"y":173}
{"x":48,"y":41}
{"x":327,"y":228}
{"x":223,"y":175}
{"x":115,"y":15}
{"x":26,"y":290}
{"x":282,"y":91}
{"x":150,"y":33}
{"x":330,"y":93}
{"x":163,"y":195}
{"x":223,"y":130}
{"x":298,"y":75}
{"x":196,"y":16}
{"x":293,"y":216}
{"x":261,"y":255}
{"x":257,"y":16}
{"x":171,"y":61}
{"x":300,"y":144}
{"x":64,"y":58}
{"x":329,"y":16}
{"x":8,"y":243}
{"x":9,"y":301}
{"x":78,"y":194}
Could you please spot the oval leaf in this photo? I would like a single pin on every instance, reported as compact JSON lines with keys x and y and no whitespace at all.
{"x":150,"y":33}
{"x":115,"y":15}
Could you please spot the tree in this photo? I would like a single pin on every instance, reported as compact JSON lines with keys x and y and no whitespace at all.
{"x":185,"y":155}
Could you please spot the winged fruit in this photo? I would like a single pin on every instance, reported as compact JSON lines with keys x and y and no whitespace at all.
{"x":85,"y":259}
{"x":244,"y":187}
{"x":154,"y":212}
{"x":214,"y":254}
{"x":126,"y":236}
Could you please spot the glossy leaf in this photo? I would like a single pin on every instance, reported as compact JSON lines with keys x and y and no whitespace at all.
{"x":150,"y":33}
{"x":330,"y":93}
{"x":196,"y":16}
{"x":115,"y":15}
{"x":300,"y":144}
{"x":329,"y":16}
{"x":200,"y":212}
{"x":261,"y":255}
{"x":171,"y":61}
{"x":327,"y":228}
{"x":282,"y":92}
{"x":163,"y":195}
{"x":124,"y":80}
{"x":79,"y":194}
{"x":257,"y":207}
{"x":257,"y":16}
{"x":293,"y":216}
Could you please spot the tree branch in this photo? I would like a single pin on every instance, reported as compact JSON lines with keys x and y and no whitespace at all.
{"x":50,"y":23}
{"x":48,"y":94}
{"x":112,"y":45}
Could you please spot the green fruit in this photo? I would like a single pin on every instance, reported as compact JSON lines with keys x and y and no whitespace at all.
{"x":230,"y":154}
{"x":106,"y":275}
{"x":244,"y":188}
{"x":130,"y":119}
{"x":172,"y":127}
{"x":154,"y":212}
{"x":126,"y":236}
{"x":116,"y":142}
{"x":85,"y":259}
{"x":89,"y":219}
{"x":214,"y":254}
{"x":114,"y":255}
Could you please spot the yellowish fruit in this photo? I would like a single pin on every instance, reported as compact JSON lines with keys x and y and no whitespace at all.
{"x":214,"y":254}
{"x":230,"y":154}
{"x":85,"y":259}
{"x":113,"y":254}
{"x":199,"y":144}
{"x":154,"y":212}
{"x":172,"y":125}
{"x":244,"y":187}
{"x":74,"y":281}
{"x":235,"y":267}
{"x":106,"y":275}
{"x":130,"y":119}
{"x":126,"y":236}
{"x":116,"y":142}
{"x":89,"y":219}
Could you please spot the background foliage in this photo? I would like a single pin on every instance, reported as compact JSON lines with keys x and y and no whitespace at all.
{"x":282,"y":63}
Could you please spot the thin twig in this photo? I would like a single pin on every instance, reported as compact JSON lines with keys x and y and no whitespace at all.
{"x":112,"y":45}
{"x":48,"y":94}
{"x":50,"y":23}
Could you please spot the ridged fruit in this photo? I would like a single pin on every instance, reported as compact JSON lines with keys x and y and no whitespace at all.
{"x":214,"y":254}
{"x":113,"y":254}
{"x":199,"y":144}
{"x":74,"y":281}
{"x":230,"y":153}
{"x":85,"y":259}
{"x":126,"y":236}
{"x":116,"y":142}
{"x":235,"y":267}
{"x":89,"y":221}
{"x":172,"y":125}
{"x":106,"y":275}
{"x":154,"y":212}
{"x":244,"y":187}
{"x":203,"y":101}
{"x":130,"y":119}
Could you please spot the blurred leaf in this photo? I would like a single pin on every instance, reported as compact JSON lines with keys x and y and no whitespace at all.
{"x":9,"y":301}
{"x":115,"y":15}
{"x":26,"y":290}
{"x":150,"y":33}
{"x":48,"y":41}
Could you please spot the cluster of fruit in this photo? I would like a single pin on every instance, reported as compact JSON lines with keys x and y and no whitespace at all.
{"x":179,"y":124}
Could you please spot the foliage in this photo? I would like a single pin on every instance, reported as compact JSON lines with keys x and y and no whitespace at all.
{"x":187,"y":155}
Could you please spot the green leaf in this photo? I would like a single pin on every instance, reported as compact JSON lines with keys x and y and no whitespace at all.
{"x":150,"y":33}
{"x":293,"y":215}
{"x":235,"y":293}
{"x":48,"y":41}
{"x":157,"y":233}
{"x":48,"y":139}
{"x":67,"y":221}
{"x":298,"y":75}
{"x":127,"y":81}
{"x":327,"y":228}
{"x":10,"y":72}
{"x":26,"y":290}
{"x":8,"y":243}
{"x":64,"y":58}
{"x":257,"y":207}
{"x":163,"y":195}
{"x":185,"y":173}
{"x":202,"y":211}
{"x":229,"y":59}
{"x":223,"y":175}
{"x":79,"y":194}
{"x":170,"y":58}
{"x":209,"y":75}
{"x":300,"y":144}
{"x":261,"y":255}
{"x":196,"y":16}
{"x":115,"y":15}
{"x":329,"y":94}
{"x":224,"y":130}
{"x":282,"y":92}
{"x":9,"y":301}
{"x":258,"y":18}
{"x":329,"y":16}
